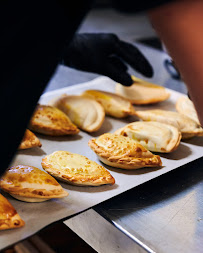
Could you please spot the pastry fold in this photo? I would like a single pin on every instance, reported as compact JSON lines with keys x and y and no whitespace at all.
{"x":114,"y":105}
{"x":122,"y":152}
{"x":154,"y":136}
{"x":76,"y":169}
{"x":9,"y":218}
{"x":30,"y":184}
{"x":29,"y":140}
{"x":187,"y":126}
{"x":142,"y":92}
{"x":50,"y":120}
{"x":86,"y":113}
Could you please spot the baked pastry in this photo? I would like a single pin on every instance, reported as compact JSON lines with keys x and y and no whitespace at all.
{"x":154,"y":136}
{"x":29,"y":140}
{"x":114,"y":105}
{"x":185,"y":106}
{"x":185,"y":125}
{"x":86,"y":113}
{"x":31,"y":184}
{"x":76,"y":169}
{"x":122,"y":152}
{"x":50,"y":120}
{"x":9,"y":218}
{"x":142,"y":92}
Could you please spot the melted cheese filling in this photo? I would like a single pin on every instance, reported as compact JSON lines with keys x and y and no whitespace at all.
{"x":69,"y":163}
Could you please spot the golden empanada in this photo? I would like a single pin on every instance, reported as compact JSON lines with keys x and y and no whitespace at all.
{"x":154,"y":136}
{"x":84,"y":112}
{"x":142,"y":92}
{"x":122,"y":152}
{"x":29,"y":140}
{"x":76,"y":169}
{"x":50,"y":120}
{"x":9,"y":218}
{"x":187,"y":126}
{"x":185,"y":106}
{"x":30,"y":184}
{"x":114,"y":105}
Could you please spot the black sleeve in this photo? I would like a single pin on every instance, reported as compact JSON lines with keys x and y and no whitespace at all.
{"x":33,"y":34}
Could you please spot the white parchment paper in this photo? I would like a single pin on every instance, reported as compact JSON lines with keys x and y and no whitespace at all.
{"x":38,"y":215}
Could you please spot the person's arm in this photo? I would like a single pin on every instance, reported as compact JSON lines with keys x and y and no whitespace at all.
{"x":180,"y":27}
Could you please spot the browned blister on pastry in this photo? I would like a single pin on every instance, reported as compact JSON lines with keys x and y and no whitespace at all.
{"x":114,"y":105}
{"x":154,"y":136}
{"x":29,"y":140}
{"x":187,"y":126}
{"x":86,"y":113}
{"x":9,"y":218}
{"x":122,"y":152}
{"x":142,"y":92}
{"x":30,"y":184}
{"x":50,"y":120}
{"x":76,"y":169}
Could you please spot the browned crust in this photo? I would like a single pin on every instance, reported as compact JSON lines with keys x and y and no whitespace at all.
{"x":133,"y":162}
{"x":78,"y":179}
{"x":51,"y":129}
{"x":30,"y":140}
{"x":9,"y":217}
{"x":31,"y":192}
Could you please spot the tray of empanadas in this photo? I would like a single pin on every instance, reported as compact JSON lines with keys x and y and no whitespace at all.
{"x":90,"y":142}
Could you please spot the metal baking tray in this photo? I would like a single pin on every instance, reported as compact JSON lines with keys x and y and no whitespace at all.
{"x":39,"y":215}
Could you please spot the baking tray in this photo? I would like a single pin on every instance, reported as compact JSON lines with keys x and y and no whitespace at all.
{"x":39,"y":215}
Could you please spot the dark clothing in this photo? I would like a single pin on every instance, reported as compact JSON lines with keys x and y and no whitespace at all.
{"x":33,"y":35}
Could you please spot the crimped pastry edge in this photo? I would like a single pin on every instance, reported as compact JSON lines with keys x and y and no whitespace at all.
{"x":124,"y":162}
{"x":78,"y":180}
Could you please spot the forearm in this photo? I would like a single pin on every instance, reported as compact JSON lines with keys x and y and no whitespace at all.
{"x":180,"y":27}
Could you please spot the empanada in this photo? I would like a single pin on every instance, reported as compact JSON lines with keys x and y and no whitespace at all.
{"x":50,"y":120}
{"x":122,"y":152}
{"x":114,"y":105}
{"x":84,"y":112}
{"x":30,"y":184}
{"x":76,"y":169}
{"x":29,"y":140}
{"x":142,"y":92}
{"x":9,"y":218}
{"x":154,"y":136}
{"x":185,"y":106}
{"x":187,"y":126}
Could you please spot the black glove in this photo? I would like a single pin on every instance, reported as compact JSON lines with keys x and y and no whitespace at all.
{"x":104,"y":53}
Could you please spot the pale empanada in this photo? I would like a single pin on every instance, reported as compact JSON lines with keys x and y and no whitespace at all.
{"x":84,"y":112}
{"x":30,"y":184}
{"x":29,"y":140}
{"x":187,"y":126}
{"x":122,"y":152}
{"x":76,"y":169}
{"x":185,"y":106}
{"x":50,"y":120}
{"x":114,"y":105}
{"x":142,"y":92}
{"x":9,"y":218}
{"x":154,"y":136}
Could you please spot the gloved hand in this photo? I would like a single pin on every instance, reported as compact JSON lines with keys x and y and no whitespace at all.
{"x":104,"y":53}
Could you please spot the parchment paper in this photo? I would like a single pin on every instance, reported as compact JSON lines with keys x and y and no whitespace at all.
{"x":38,"y":215}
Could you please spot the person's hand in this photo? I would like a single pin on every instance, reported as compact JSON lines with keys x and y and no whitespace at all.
{"x":104,"y":53}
